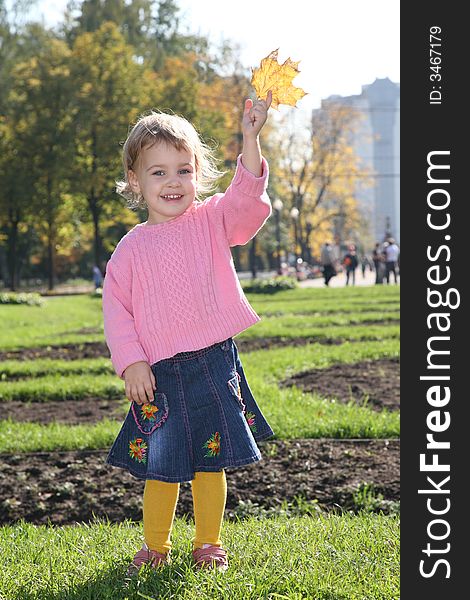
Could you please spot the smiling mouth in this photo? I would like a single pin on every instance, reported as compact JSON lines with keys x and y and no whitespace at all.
{"x":172,"y":196}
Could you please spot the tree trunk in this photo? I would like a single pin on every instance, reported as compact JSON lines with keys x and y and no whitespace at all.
{"x":253,"y":258}
{"x":3,"y":267}
{"x":272,"y":258}
{"x":236,"y":257}
{"x":50,"y":236}
{"x":93,"y":203}
{"x":308,"y":249}
{"x":304,"y":248}
{"x":12,"y":254}
{"x":98,"y":244}
{"x":50,"y":257}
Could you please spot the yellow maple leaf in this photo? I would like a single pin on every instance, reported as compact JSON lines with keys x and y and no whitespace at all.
{"x":270,"y":75}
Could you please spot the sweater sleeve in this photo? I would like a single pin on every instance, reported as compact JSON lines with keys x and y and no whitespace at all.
{"x":119,"y":327}
{"x":245,"y":206}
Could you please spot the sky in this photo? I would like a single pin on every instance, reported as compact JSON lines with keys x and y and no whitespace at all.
{"x":341,"y":44}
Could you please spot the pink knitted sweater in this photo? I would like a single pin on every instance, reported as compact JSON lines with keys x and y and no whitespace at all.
{"x":172,"y":287}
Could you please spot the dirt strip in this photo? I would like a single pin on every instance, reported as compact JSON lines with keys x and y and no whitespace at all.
{"x":72,"y":412}
{"x":376,"y":382}
{"x":100,"y":350}
{"x":67,"y":487}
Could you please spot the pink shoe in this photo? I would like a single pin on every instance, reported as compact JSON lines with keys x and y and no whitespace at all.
{"x":211,"y":557}
{"x":146,"y":556}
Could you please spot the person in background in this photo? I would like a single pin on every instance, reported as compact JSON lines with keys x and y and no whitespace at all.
{"x":392,"y":253}
{"x":97,"y":277}
{"x":328,"y":260}
{"x":350,"y":261}
{"x":365,"y":262}
{"x":378,"y":260}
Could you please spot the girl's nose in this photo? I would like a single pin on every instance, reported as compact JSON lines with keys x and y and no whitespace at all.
{"x":174,"y":179}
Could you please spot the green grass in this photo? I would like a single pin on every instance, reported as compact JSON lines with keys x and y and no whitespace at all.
{"x":312,"y":305}
{"x":73,"y":380}
{"x":61,"y":320}
{"x":78,"y":319}
{"x":62,"y":387}
{"x":14,"y":369}
{"x":279,"y":363}
{"x":338,"y":317}
{"x":346,"y":296}
{"x":291,"y":413}
{"x":303,"y":327}
{"x":329,"y":557}
{"x":56,"y":436}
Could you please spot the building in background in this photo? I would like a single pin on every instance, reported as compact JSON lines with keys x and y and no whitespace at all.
{"x":376,"y":141}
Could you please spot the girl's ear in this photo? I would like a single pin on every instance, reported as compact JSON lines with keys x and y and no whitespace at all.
{"x":133,"y":181}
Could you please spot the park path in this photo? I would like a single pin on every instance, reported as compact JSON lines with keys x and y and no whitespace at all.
{"x":340,"y":280}
{"x":337,"y":281}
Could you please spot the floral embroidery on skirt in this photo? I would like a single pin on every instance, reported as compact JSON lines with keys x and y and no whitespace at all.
{"x":138,"y":450}
{"x":213,"y":445}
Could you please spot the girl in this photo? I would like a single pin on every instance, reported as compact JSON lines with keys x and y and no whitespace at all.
{"x":172,"y":303}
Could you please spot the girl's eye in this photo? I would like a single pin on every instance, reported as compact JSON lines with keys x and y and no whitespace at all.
{"x":181,"y":171}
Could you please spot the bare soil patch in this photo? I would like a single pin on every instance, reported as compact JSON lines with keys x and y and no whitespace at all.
{"x":67,"y":487}
{"x":72,"y":412}
{"x":63,"y":352}
{"x":378,"y":380}
{"x":100,"y":349}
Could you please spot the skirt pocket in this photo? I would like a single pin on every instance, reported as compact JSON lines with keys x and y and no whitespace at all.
{"x":250,"y":417}
{"x":148,"y":417}
{"x":234,"y":387}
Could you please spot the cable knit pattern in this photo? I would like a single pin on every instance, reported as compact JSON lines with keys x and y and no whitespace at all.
{"x":172,"y":263}
{"x":172,"y":287}
{"x":199,"y":235}
{"x":141,"y":255}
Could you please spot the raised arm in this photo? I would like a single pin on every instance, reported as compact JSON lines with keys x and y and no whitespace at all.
{"x":254,"y":117}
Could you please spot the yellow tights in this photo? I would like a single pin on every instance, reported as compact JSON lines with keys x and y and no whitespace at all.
{"x":160,"y":498}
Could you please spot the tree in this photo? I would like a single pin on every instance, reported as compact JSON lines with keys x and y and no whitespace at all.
{"x":318,"y":173}
{"x":19,"y":45}
{"x":41,"y":96}
{"x":110,"y":90}
{"x":151,"y":27}
{"x":177,"y":87}
{"x":133,"y":19}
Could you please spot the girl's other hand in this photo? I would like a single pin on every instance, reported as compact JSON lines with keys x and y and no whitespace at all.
{"x":140,"y":383}
{"x":255,"y":115}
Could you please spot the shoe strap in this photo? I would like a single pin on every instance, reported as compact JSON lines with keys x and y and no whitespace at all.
{"x":145,"y":556}
{"x":212,"y":553}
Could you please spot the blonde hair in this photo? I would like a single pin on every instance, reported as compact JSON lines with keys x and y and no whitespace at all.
{"x":176,"y":131}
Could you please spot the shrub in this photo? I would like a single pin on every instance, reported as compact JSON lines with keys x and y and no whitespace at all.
{"x":97,"y":293}
{"x":31,"y":299}
{"x":270,"y":286}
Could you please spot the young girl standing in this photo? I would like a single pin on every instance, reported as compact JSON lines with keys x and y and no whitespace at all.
{"x":172,"y":303}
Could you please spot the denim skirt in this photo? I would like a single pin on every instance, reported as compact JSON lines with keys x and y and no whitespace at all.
{"x":203,"y":418}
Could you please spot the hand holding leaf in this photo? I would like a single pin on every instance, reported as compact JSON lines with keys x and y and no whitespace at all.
{"x":255,"y":115}
{"x":270,"y":75}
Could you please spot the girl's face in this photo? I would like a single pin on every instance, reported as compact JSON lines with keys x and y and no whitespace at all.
{"x":166,"y":178}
